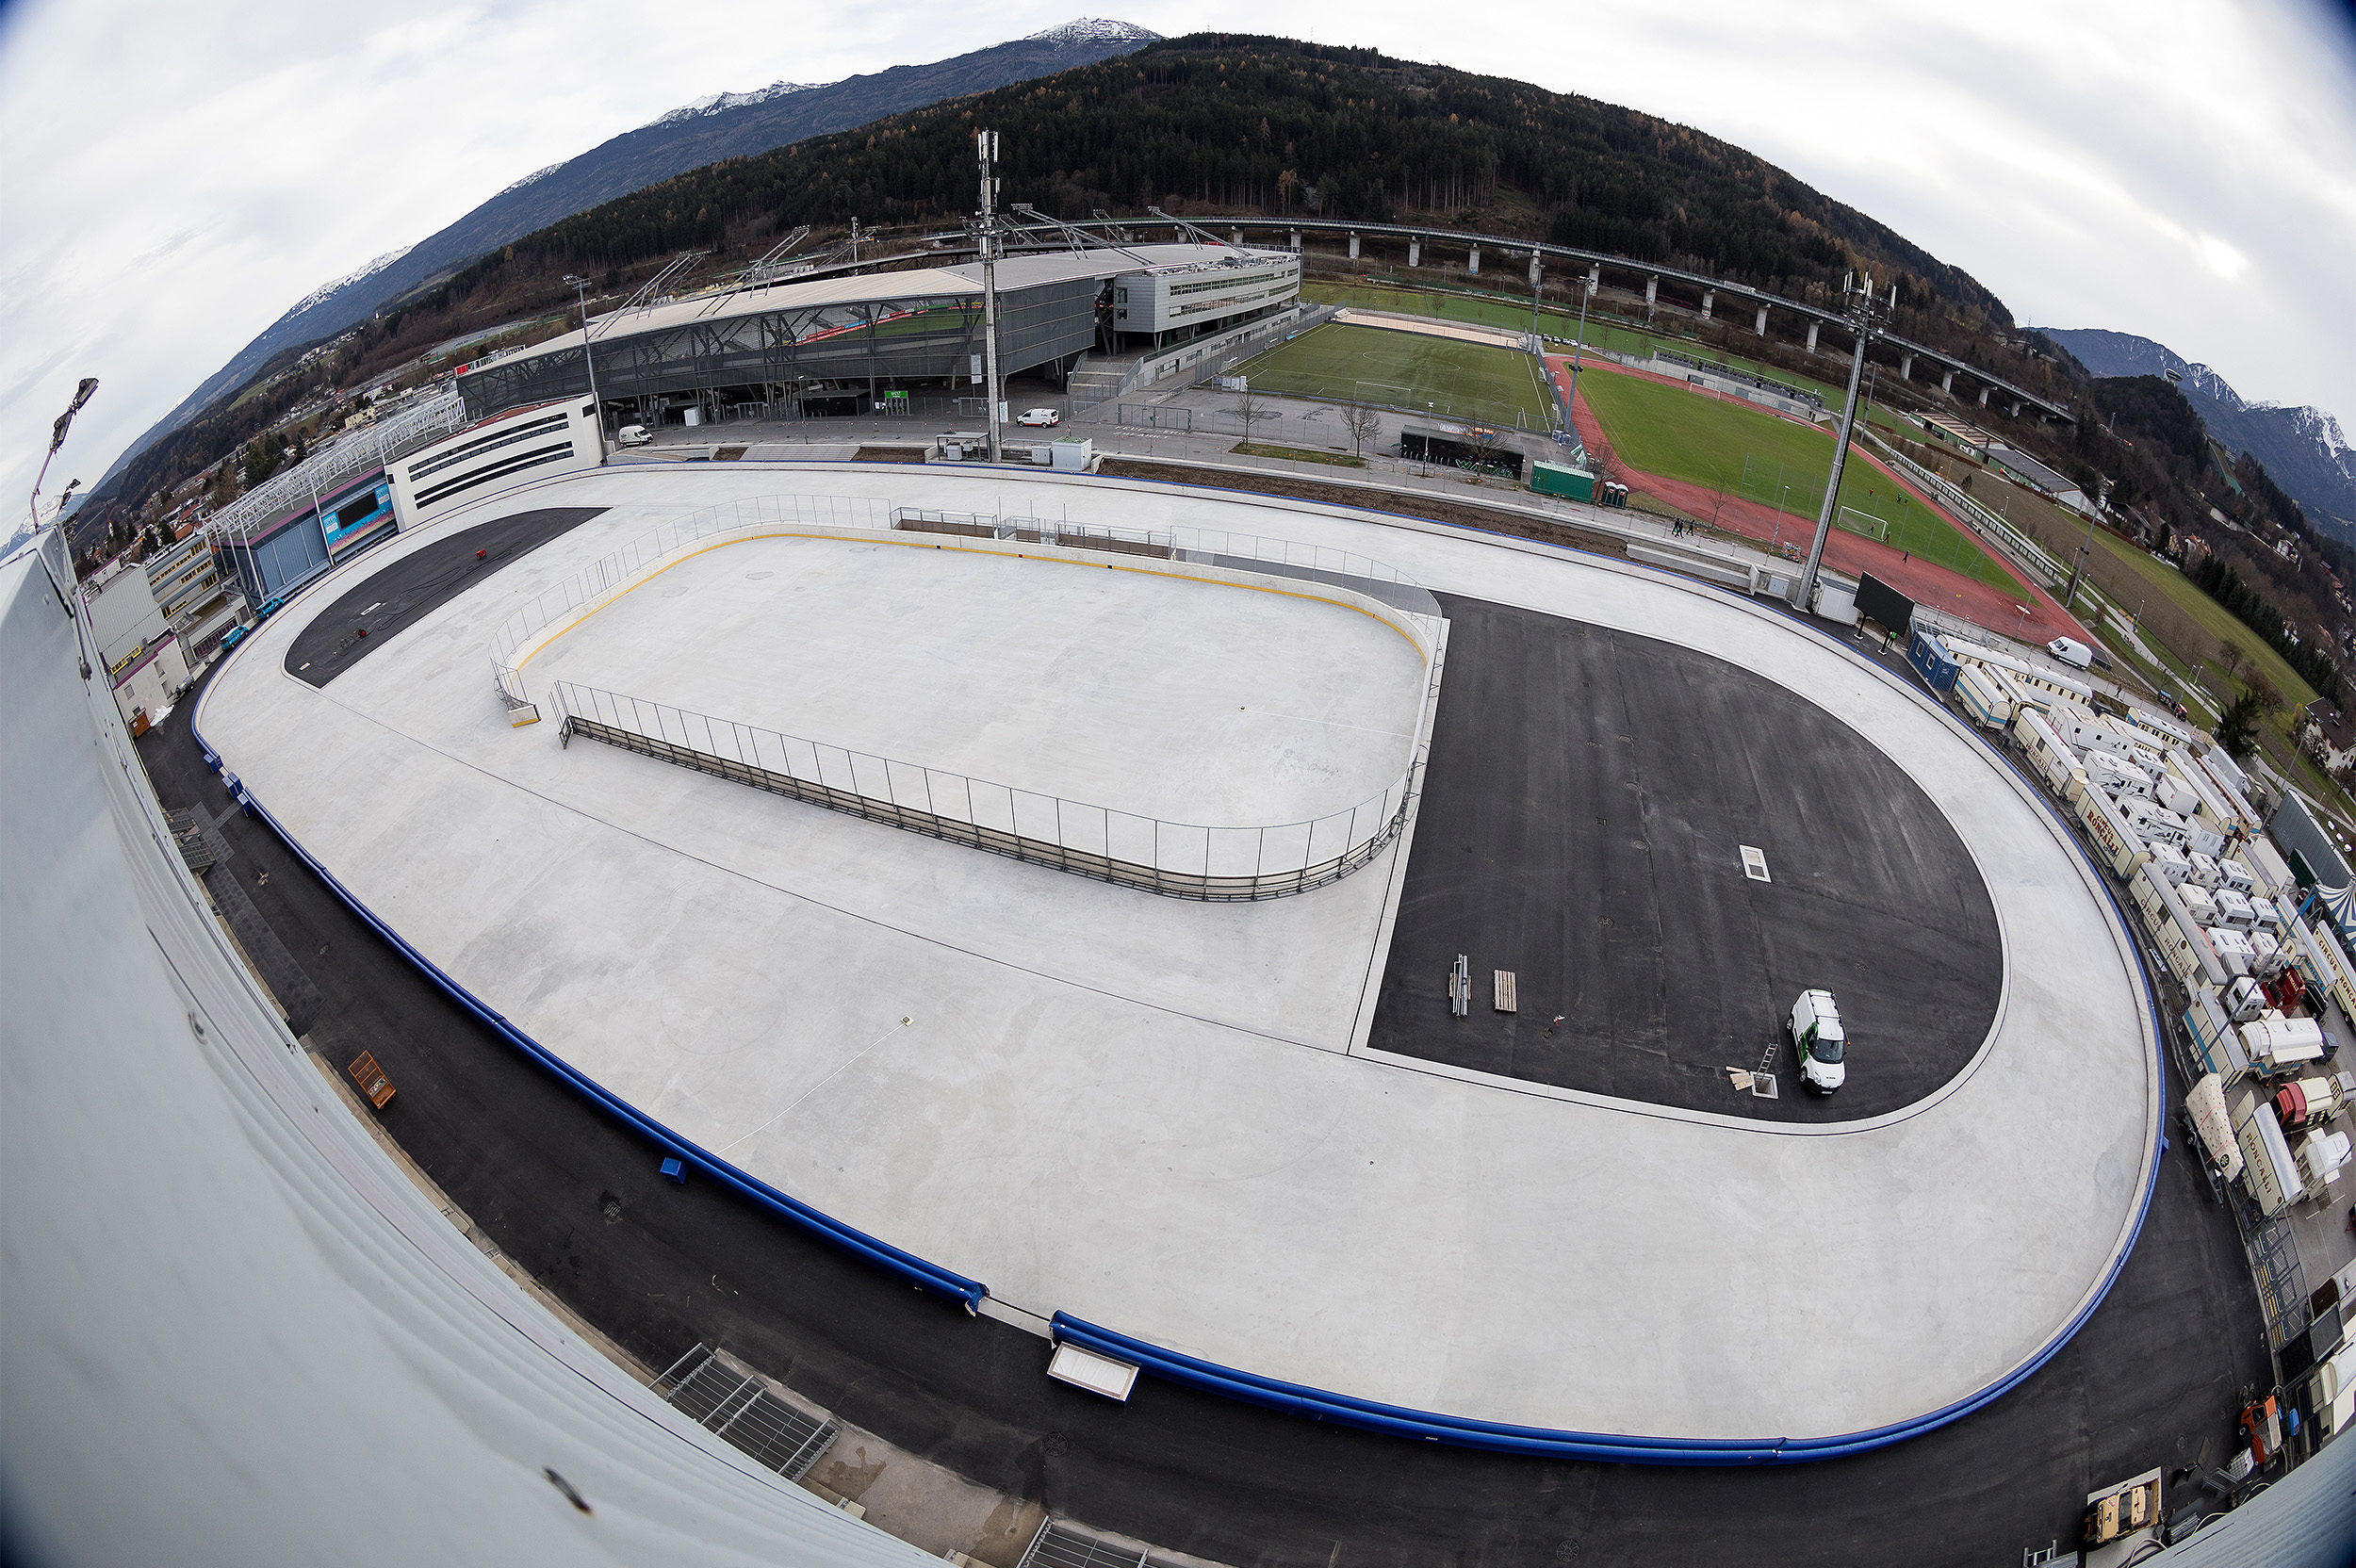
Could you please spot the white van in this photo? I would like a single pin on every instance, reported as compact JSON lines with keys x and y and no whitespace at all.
{"x":631,"y":435}
{"x":2071,"y":652}
{"x":1816,"y":1034}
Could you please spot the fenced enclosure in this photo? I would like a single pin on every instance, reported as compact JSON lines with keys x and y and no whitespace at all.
{"x":552,"y":611}
{"x":1217,"y":864}
{"x":1207,"y":861}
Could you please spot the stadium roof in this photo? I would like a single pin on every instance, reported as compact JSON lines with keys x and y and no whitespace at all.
{"x":1014,"y":271}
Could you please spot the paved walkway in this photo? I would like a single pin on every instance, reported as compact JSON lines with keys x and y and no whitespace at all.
{"x":2035,"y":619}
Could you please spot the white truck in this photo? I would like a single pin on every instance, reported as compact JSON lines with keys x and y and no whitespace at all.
{"x":1817,"y":1038}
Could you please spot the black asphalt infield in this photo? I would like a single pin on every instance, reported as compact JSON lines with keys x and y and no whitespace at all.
{"x":1589,"y":797}
{"x":384,"y":602}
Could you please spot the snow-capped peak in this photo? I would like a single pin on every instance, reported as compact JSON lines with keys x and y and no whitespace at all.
{"x":718,"y":102}
{"x":1094,"y":29}
{"x":321,"y":293}
{"x":535,"y":176}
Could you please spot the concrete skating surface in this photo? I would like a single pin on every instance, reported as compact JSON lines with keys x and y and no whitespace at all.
{"x":1164,"y":1116}
{"x":1188,"y":701}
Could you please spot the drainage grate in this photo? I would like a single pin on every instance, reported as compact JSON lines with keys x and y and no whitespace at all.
{"x":1755,"y":865}
{"x":731,"y":1405}
{"x":1061,"y":1547}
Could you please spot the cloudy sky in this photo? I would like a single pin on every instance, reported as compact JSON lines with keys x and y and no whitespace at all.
{"x":180,"y":174}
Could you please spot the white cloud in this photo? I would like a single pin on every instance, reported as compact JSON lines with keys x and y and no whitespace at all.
{"x":180,"y":174}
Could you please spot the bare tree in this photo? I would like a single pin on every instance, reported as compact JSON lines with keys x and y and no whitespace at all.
{"x":1251,"y":407}
{"x":1363,"y":423}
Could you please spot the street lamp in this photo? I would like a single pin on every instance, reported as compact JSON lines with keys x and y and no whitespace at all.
{"x":57,"y":439}
{"x":597,"y":404}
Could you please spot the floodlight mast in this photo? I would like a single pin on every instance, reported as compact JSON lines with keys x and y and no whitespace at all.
{"x":985,"y":147}
{"x":597,"y":404}
{"x":1862,"y":322}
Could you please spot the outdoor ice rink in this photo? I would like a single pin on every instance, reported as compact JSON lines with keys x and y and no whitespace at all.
{"x":1161,"y":1116}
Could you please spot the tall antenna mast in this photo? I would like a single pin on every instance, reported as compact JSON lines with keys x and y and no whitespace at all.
{"x":985,"y":147}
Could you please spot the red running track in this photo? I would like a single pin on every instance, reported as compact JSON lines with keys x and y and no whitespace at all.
{"x":1923,"y":581}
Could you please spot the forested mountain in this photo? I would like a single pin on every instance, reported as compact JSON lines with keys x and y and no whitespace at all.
{"x":2303,"y":448}
{"x":1213,"y":123}
{"x":725,"y":125}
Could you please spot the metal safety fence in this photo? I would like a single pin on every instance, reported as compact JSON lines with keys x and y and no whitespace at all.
{"x":1194,"y":860}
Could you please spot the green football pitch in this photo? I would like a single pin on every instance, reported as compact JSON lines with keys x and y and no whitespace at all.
{"x":1439,"y":376}
{"x":1711,"y":442}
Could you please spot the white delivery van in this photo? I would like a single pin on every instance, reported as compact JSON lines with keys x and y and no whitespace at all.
{"x":2071,"y":652}
{"x":631,"y":435}
{"x":1817,"y":1036}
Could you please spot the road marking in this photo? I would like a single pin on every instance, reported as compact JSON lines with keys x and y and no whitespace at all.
{"x":373,"y":607}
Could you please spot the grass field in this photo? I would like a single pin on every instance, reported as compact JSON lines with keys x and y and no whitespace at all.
{"x":1435,"y":375}
{"x":1446,"y":305}
{"x":1679,"y":434}
{"x":2213,"y":617}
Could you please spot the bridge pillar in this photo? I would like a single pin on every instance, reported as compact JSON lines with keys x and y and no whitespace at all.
{"x":1353,"y":247}
{"x":1594,"y":279}
{"x":1811,"y":336}
{"x":1652,"y":292}
{"x":1760,"y":330}
{"x":1473,"y":267}
{"x":1708,"y":296}
{"x":1947,"y":382}
{"x":1238,"y":235}
{"x":1295,"y":239}
{"x":1983,"y":396}
{"x":2015,"y":409}
{"x":1906,"y":367}
{"x":1414,"y":253}
{"x":1533,"y":269}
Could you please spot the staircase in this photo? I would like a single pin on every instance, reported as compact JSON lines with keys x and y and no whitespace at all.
{"x":1098,"y":380}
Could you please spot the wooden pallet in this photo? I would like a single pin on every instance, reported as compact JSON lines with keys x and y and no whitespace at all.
{"x":1507,"y":1000}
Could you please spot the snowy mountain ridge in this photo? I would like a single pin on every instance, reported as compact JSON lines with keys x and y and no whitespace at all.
{"x":720,"y":103}
{"x":2303,"y":448}
{"x":320,"y":294}
{"x":1094,"y":29}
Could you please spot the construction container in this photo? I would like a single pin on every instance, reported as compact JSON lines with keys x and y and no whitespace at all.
{"x":1561,"y":479}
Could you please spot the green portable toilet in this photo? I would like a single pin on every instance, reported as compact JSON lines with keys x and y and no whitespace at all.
{"x":1561,"y":479}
